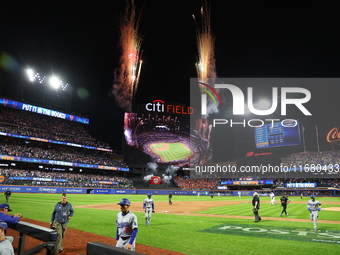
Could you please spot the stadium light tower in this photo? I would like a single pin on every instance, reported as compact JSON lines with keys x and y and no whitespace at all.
{"x":38,"y":91}
{"x":55,"y":82}
{"x":30,"y":74}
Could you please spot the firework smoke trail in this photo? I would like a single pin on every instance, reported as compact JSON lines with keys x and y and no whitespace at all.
{"x":126,"y":77}
{"x":206,"y":65}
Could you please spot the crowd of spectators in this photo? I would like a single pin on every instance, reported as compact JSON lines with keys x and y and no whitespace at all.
{"x":20,"y":148}
{"x":18,"y":122}
{"x":323,"y":158}
{"x":188,"y":183}
{"x":79,"y":180}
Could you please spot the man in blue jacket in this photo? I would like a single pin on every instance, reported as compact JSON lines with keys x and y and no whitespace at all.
{"x":13,"y":219}
{"x":62,"y":213}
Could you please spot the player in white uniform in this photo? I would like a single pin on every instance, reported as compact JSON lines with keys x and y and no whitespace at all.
{"x":272,"y":198}
{"x":313,"y":207}
{"x":149,"y":208}
{"x":127,"y":226}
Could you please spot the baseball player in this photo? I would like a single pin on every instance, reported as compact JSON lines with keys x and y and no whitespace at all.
{"x":5,"y":245}
{"x":149,"y":208}
{"x":272,"y":198}
{"x":127,"y":226}
{"x":313,"y":207}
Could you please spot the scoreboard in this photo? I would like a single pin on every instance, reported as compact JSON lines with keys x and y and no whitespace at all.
{"x":277,"y":134}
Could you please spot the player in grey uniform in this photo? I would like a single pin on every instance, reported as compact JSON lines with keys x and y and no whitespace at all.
{"x":313,"y":207}
{"x":149,"y":208}
{"x":5,"y":245}
{"x":127,"y":226}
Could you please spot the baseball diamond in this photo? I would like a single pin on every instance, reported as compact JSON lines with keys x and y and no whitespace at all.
{"x":171,"y":151}
{"x":226,"y":218}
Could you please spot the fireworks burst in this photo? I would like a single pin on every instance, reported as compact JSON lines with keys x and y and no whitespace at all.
{"x":126,"y":77}
{"x":205,"y":46}
{"x":206,"y":65}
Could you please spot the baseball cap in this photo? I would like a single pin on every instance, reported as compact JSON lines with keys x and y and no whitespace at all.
{"x":149,"y":194}
{"x":3,"y":225}
{"x":6,"y":206}
{"x":312,"y":196}
{"x":124,"y":201}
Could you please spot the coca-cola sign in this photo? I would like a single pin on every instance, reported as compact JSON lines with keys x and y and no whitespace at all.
{"x":333,"y":135}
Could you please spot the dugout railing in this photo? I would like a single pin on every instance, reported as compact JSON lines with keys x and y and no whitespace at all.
{"x":95,"y":248}
{"x":46,"y":235}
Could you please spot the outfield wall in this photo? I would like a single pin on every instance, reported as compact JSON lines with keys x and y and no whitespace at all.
{"x":55,"y":190}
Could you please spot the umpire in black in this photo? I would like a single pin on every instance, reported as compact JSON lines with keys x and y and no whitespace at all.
{"x":256,"y":206}
{"x":284,"y":202}
{"x":7,"y":193}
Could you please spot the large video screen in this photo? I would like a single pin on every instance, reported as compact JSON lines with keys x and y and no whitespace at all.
{"x":163,"y":139}
{"x":43,"y":111}
{"x":285,"y":133}
{"x":253,"y":182}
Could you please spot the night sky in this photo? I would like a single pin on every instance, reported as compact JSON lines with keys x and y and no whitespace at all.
{"x":79,"y":41}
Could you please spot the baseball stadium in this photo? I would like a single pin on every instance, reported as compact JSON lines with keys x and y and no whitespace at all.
{"x":175,"y":179}
{"x":209,"y":214}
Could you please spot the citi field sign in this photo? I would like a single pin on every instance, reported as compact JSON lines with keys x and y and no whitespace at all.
{"x":159,"y":106}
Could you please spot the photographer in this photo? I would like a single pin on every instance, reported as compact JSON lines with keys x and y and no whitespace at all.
{"x":62,"y":213}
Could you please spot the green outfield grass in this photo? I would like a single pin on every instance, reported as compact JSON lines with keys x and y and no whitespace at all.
{"x":200,"y":235}
{"x":171,"y":151}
